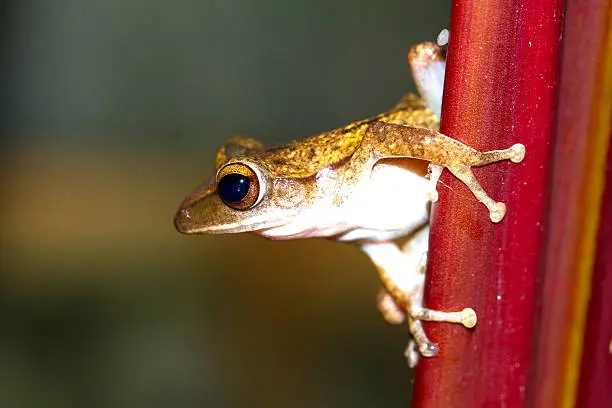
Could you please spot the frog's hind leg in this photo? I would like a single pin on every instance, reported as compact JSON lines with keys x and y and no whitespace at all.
{"x":402,"y":273}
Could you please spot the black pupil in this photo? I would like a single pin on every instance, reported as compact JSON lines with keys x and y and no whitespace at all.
{"x":233,"y":187}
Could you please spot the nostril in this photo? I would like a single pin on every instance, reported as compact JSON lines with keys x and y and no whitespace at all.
{"x":185,"y":213}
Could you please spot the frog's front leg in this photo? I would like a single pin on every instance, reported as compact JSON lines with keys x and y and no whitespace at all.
{"x":403,"y":277}
{"x":386,"y":140}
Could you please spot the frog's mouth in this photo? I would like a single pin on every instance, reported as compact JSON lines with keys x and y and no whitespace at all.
{"x":187,"y":222}
{"x":209,"y":215}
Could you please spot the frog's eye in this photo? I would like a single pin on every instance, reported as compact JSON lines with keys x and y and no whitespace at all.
{"x":238,"y":186}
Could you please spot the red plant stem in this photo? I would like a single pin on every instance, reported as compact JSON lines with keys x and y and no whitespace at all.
{"x":499,"y":90}
{"x":596,"y":368}
{"x":577,"y":259}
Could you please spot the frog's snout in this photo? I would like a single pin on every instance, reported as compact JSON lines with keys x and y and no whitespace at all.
{"x":182,"y":221}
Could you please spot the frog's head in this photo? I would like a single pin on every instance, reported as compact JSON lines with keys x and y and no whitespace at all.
{"x":242,"y":197}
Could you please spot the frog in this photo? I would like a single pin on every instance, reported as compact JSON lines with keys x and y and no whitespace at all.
{"x":368,"y":183}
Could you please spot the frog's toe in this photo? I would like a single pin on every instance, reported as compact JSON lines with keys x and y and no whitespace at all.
{"x":428,"y":349}
{"x":497,"y":212}
{"x":519,"y":153}
{"x":392,"y":313}
{"x":468,"y":317}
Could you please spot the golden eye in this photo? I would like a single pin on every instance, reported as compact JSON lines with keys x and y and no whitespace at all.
{"x":238,"y":186}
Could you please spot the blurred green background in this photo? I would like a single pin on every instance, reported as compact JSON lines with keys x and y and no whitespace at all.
{"x":112,"y":111}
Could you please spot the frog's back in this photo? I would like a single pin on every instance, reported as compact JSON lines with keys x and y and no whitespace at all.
{"x":306,"y":157}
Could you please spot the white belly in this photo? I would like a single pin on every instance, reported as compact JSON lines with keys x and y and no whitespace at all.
{"x":392,"y":204}
{"x":395,"y":203}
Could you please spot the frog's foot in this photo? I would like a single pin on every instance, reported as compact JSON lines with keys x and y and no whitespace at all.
{"x":420,"y":341}
{"x":394,"y":314}
{"x":497,"y":210}
{"x":426,"y":347}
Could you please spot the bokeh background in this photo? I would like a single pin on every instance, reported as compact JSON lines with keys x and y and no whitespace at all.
{"x":111,"y":113}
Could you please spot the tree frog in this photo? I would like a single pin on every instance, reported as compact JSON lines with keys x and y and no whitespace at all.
{"x":366,"y":183}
